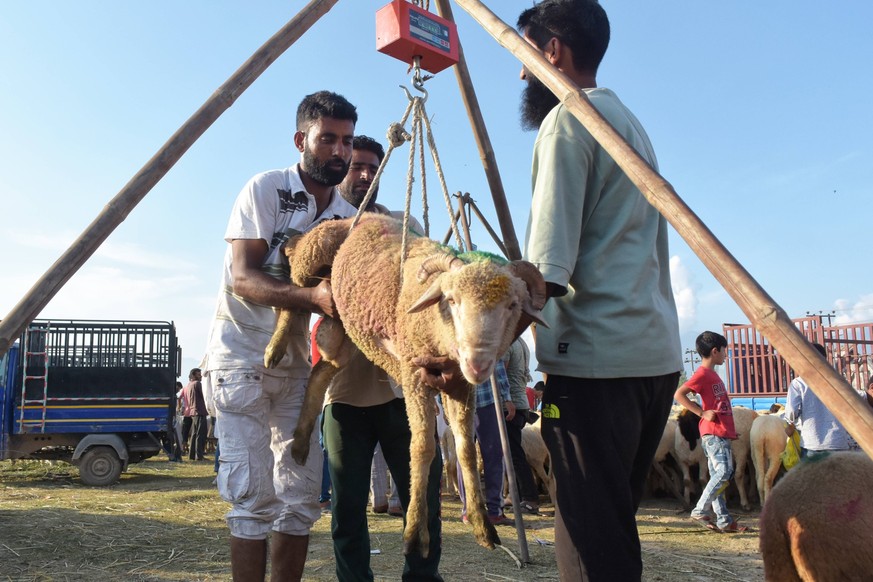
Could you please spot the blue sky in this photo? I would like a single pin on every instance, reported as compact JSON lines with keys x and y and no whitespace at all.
{"x":758,"y":112}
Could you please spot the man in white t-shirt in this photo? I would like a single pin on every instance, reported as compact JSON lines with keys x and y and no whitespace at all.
{"x":257,"y":409}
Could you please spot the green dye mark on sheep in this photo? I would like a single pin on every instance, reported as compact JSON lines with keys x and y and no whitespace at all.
{"x":472,"y":256}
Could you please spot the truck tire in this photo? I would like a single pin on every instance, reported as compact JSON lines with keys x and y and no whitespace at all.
{"x":100,"y":466}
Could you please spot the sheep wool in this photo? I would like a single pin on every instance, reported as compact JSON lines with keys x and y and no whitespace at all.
{"x":439,"y":305}
{"x":817,"y":522}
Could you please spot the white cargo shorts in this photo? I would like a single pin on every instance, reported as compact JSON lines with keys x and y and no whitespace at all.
{"x":256,"y":416}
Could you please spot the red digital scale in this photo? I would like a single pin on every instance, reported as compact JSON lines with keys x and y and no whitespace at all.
{"x":406,"y":31}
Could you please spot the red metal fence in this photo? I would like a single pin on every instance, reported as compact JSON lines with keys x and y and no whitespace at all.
{"x":754,"y":367}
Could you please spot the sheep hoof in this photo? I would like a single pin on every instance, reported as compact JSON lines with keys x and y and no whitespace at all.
{"x":415,"y":545}
{"x":273,"y":355}
{"x":300,"y":451}
{"x":486,"y":536}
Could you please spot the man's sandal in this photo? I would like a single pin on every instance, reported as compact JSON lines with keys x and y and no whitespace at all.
{"x":735,"y":527}
{"x":707,"y":522}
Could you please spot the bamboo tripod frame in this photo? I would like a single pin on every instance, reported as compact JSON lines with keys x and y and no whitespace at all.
{"x":761,"y":309}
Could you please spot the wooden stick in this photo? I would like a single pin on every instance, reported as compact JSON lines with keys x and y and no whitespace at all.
{"x":762,"y":310}
{"x":487,"y":226}
{"x":486,"y":152}
{"x":465,"y":224}
{"x":135,"y":190}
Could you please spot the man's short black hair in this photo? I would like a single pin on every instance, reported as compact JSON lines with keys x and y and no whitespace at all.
{"x":580,"y":24}
{"x":820,"y":349}
{"x":193,"y":373}
{"x":708,"y":341}
{"x":363,"y":142}
{"x":324,"y":104}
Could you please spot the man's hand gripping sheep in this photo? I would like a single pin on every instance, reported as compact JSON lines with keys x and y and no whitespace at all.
{"x":463,"y":309}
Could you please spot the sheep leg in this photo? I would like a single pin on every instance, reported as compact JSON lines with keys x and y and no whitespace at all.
{"x":461,"y":415}
{"x":278,"y":345}
{"x":422,"y":448}
{"x":336,"y":350}
{"x":770,"y":477}
{"x":686,"y":482}
{"x":759,"y":464}
{"x":740,"y":480}
{"x":322,"y":374}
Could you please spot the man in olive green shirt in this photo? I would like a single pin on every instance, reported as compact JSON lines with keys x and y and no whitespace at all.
{"x":611,"y":355}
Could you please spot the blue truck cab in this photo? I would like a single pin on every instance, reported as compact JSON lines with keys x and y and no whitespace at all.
{"x":97,"y":394}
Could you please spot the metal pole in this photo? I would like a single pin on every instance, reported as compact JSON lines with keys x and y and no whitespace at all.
{"x":510,"y":473}
{"x":135,"y":190}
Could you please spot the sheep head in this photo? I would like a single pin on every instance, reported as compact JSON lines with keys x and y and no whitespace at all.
{"x":483,"y":299}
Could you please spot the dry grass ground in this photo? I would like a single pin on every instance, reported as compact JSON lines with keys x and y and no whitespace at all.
{"x":164,"y":522}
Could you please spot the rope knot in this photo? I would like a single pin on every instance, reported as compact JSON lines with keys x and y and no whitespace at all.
{"x":397,"y":135}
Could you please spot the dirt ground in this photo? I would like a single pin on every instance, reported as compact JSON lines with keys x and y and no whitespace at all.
{"x":164,"y":522}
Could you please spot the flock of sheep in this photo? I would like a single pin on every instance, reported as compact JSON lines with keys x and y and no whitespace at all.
{"x":817,"y":524}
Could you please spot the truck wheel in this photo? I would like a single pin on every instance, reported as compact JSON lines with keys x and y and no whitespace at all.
{"x":100,"y":466}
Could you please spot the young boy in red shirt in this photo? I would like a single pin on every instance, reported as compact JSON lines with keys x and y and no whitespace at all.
{"x":716,"y":431}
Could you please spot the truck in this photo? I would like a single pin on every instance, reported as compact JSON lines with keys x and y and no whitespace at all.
{"x":97,"y":394}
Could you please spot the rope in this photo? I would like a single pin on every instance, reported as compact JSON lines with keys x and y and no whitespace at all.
{"x":439,"y":170}
{"x":396,"y":136}
{"x":416,"y":127}
{"x":423,"y":180}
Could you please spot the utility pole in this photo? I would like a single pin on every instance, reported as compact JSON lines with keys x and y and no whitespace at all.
{"x":691,"y":357}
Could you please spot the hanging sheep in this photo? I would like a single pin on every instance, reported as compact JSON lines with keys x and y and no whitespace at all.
{"x":463,"y":307}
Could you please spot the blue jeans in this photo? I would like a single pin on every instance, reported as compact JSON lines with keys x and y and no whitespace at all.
{"x":720,"y":460}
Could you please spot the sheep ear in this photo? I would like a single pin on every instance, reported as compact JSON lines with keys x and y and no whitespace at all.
{"x":534,"y":314}
{"x":430,"y":297}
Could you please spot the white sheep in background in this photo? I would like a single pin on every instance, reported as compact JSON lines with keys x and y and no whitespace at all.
{"x":817,"y":522}
{"x":537,"y":454}
{"x":461,"y":307}
{"x":741,"y":450}
{"x":767,"y":441}
{"x":688,"y":451}
{"x":659,"y":464}
{"x":450,"y":462}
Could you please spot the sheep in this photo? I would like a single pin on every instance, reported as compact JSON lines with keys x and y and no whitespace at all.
{"x":688,"y":451}
{"x":817,"y":523}
{"x":450,"y":462}
{"x":442,"y":305}
{"x":660,"y":465}
{"x":537,"y":454}
{"x":767,"y":441}
{"x":741,"y":449}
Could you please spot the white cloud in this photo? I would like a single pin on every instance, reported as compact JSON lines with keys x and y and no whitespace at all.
{"x":685,"y":293}
{"x":859,"y":311}
{"x":125,"y":253}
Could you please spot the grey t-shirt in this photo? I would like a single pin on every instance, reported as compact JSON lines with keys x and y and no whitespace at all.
{"x":592,"y":232}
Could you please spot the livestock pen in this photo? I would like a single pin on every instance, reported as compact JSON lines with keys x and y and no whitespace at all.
{"x":757,"y":375}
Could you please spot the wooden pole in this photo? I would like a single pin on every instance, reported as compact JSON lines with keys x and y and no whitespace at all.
{"x":488,"y":227}
{"x":462,"y":211}
{"x":486,"y":152}
{"x":135,"y":190}
{"x":761,"y":309}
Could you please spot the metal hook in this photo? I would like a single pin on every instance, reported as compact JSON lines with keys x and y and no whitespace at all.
{"x":417,"y":79}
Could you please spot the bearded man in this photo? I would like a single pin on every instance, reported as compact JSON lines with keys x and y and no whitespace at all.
{"x":611,"y":355}
{"x":257,"y":409}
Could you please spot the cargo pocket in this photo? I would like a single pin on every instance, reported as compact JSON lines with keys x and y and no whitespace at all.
{"x":236,"y":390}
{"x":234,"y":482}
